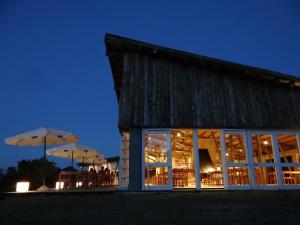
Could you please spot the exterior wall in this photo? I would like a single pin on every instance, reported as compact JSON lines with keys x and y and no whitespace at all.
{"x":157,"y":92}
{"x":135,"y":160}
{"x":124,"y":161}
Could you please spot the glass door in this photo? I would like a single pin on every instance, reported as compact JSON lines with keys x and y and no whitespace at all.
{"x":183,"y":159}
{"x":210,"y":159}
{"x":157,"y":160}
{"x":263,"y":160}
{"x":236,"y":167}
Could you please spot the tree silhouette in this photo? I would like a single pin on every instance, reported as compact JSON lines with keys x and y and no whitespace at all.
{"x":32,"y":171}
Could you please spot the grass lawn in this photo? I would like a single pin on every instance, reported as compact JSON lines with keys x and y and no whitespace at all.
{"x":269,"y":207}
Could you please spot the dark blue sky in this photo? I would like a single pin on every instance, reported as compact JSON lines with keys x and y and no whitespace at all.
{"x":54,"y":70}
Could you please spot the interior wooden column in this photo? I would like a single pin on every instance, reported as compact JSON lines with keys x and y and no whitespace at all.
{"x":135,"y":160}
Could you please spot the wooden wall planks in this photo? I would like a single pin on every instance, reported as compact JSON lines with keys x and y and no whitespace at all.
{"x":159,"y":92}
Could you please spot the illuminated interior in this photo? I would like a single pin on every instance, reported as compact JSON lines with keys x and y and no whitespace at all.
{"x":263,"y":154}
{"x":236,"y":157}
{"x":289,"y":153}
{"x":183,"y":169}
{"x":156,"y":155}
{"x":172,"y":160}
{"x":210,"y":159}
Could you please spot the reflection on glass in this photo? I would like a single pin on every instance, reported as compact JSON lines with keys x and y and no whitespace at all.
{"x":238,"y":176}
{"x":155,"y":176}
{"x":235,"y":148}
{"x":288,"y":148}
{"x":265,"y":175}
{"x":183,"y":159}
{"x":210,"y":159}
{"x":262,"y":148}
{"x":156,"y":147}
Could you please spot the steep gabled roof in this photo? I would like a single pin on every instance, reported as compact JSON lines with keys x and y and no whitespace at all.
{"x":116,"y":46}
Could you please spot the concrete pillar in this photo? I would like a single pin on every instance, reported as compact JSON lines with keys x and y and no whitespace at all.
{"x":135,"y":160}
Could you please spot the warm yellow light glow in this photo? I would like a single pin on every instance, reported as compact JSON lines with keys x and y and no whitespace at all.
{"x":151,"y":158}
{"x":265,"y":142}
{"x":218,"y":168}
{"x":227,"y":154}
{"x":79,"y":184}
{"x":59,"y":185}
{"x":178,"y":134}
{"x":210,"y":169}
{"x":22,"y":187}
{"x":240,"y":150}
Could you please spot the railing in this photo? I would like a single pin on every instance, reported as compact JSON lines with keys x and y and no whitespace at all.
{"x":84,"y":179}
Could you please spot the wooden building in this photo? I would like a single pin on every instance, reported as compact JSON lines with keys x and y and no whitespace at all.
{"x":190,"y":121}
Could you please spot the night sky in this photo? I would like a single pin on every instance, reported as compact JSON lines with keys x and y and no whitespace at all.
{"x":54,"y":70}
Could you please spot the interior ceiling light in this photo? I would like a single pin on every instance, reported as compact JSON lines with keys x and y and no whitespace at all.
{"x":265,"y":142}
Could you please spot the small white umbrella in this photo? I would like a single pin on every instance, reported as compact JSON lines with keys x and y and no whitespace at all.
{"x":74,"y":151}
{"x":42,"y":136}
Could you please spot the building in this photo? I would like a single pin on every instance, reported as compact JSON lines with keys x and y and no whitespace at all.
{"x":190,"y":121}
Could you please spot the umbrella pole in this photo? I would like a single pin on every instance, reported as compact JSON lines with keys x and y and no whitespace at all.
{"x":72,"y":159}
{"x":45,"y":146}
{"x":82,"y":163}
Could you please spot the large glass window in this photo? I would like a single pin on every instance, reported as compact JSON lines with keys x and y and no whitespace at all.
{"x":263,"y":157}
{"x":156,"y":147}
{"x":235,"y":148}
{"x":288,"y":148}
{"x":183,"y":162}
{"x":291,"y":175}
{"x":236,"y":159}
{"x":238,"y":176}
{"x":262,"y":148}
{"x":246,"y":159}
{"x":289,"y":155}
{"x":265,"y":175}
{"x":157,"y":159}
{"x":156,"y":176}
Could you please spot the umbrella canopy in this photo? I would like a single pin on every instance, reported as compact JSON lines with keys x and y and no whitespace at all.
{"x":39,"y":136}
{"x":42,"y":136}
{"x":75,"y":151}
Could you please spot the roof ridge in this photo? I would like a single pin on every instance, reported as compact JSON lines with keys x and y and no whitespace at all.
{"x":140,"y":44}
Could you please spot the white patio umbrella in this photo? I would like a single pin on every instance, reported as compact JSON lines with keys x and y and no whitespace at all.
{"x":42,"y":136}
{"x":75,"y":151}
